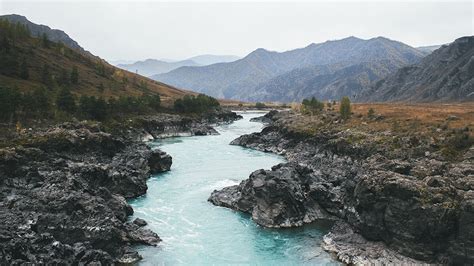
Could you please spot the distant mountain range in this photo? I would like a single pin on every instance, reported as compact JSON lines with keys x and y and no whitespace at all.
{"x":445,"y":75}
{"x":151,"y":67}
{"x":209,"y":59}
{"x":428,"y":49}
{"x":38,"y":30}
{"x":346,"y":65}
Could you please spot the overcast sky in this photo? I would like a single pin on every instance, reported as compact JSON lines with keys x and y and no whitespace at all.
{"x":135,"y":30}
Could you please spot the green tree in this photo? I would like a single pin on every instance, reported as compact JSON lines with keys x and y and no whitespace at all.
{"x":5,"y":44}
{"x":65,"y":101}
{"x":312,"y":105}
{"x":345,"y":108}
{"x":259,"y":105}
{"x":10,"y":100}
{"x":74,"y":75}
{"x":24,"y":73}
{"x":371,"y":113}
{"x":46,"y":77}
{"x":64,"y":77}
{"x":154,"y":102}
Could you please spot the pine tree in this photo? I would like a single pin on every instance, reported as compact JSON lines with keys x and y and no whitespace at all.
{"x":46,"y":75}
{"x":24,"y":73}
{"x":345,"y":108}
{"x":65,"y":101}
{"x":74,"y":75}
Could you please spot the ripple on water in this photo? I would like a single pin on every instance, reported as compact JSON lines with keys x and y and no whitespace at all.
{"x":195,"y":232}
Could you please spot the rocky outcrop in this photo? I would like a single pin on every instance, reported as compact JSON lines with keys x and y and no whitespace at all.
{"x":63,"y":189}
{"x":171,"y":125}
{"x":265,"y":119}
{"x":412,"y":200}
{"x":276,"y":198}
{"x":63,"y":197}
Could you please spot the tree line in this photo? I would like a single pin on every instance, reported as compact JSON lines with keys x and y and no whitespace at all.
{"x":313,"y":106}
{"x":45,"y":104}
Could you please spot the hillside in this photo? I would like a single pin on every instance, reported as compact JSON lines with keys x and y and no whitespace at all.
{"x":328,"y":82}
{"x":151,"y":67}
{"x":445,"y":75}
{"x":242,"y":77}
{"x":38,"y":30}
{"x":27,"y":63}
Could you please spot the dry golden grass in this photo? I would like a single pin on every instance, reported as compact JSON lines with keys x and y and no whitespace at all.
{"x":116,"y":82}
{"x":453,"y":115}
{"x":408,"y":118}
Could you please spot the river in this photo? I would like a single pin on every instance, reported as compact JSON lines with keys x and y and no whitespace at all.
{"x":195,"y":232}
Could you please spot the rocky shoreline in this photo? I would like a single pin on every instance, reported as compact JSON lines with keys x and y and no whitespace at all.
{"x":408,"y":204}
{"x":63,"y":189}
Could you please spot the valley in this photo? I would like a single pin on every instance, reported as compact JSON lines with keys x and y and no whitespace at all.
{"x":344,"y":151}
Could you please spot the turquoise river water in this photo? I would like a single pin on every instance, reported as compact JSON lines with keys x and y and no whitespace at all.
{"x":195,"y":232}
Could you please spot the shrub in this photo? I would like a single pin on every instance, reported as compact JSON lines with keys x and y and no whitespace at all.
{"x":195,"y":104}
{"x":371,"y":113}
{"x":260,"y":105}
{"x":312,"y":106}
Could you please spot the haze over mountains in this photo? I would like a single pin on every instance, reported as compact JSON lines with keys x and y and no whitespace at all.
{"x":290,"y":75}
{"x":151,"y":67}
{"x":445,"y":75}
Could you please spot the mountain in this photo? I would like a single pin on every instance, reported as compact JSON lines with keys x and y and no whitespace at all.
{"x":151,"y":67}
{"x":209,"y":59}
{"x":447,"y":74}
{"x":238,"y":79}
{"x":27,"y":63}
{"x":38,"y":30}
{"x":428,"y":49}
{"x":328,"y":82}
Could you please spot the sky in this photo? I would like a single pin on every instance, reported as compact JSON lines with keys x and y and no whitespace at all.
{"x":136,"y":30}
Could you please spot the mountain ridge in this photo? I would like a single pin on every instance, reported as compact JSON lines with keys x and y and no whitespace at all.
{"x":445,"y":75}
{"x":230,"y":80}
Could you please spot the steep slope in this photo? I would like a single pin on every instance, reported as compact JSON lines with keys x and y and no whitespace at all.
{"x":38,"y":30}
{"x":28,"y":63}
{"x":323,"y":82}
{"x":445,"y":75}
{"x":230,"y":80}
{"x":151,"y":67}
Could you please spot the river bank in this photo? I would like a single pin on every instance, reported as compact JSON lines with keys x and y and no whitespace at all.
{"x":63,"y":188}
{"x":397,"y":196}
{"x":195,"y":232}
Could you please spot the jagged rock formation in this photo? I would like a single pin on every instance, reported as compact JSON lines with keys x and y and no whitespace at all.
{"x":62,"y":197}
{"x":63,"y":189}
{"x":447,"y":74}
{"x":246,"y":78}
{"x":413,"y":198}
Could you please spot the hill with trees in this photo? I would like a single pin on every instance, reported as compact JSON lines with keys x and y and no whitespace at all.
{"x":29,"y":63}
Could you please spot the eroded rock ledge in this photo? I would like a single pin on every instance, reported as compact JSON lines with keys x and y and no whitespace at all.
{"x":411,"y":200}
{"x":63,"y":192}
